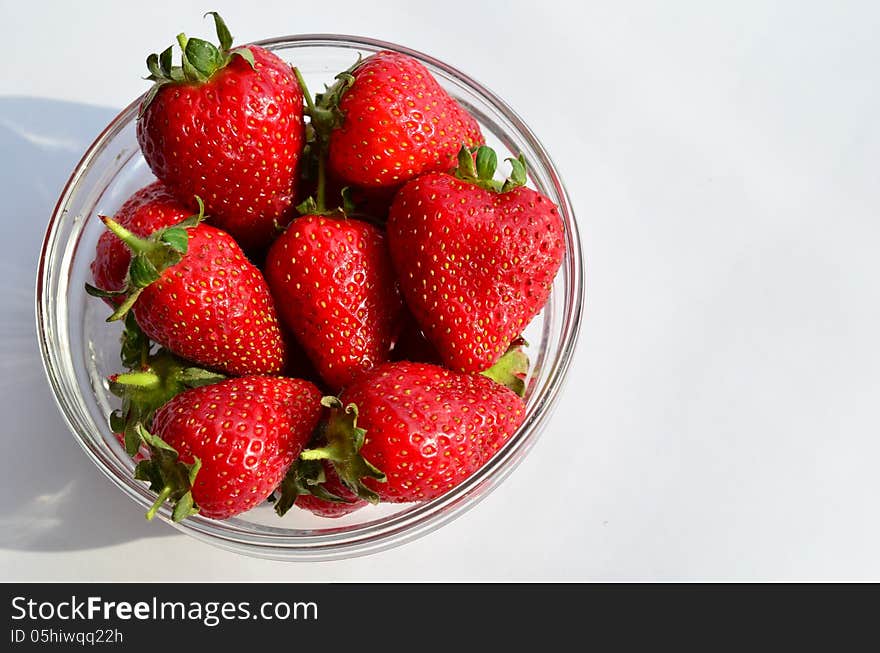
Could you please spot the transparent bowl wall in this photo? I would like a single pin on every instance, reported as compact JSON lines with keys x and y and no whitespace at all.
{"x":80,"y":350}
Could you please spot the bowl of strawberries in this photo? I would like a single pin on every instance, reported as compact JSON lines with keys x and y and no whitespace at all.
{"x":309,"y":297}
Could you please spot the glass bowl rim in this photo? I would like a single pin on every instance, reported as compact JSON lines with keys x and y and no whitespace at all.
{"x":395,"y":529}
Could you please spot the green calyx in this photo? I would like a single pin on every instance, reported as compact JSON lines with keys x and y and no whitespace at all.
{"x":511,"y":369}
{"x":153,"y":379}
{"x":344,"y":440}
{"x":480,"y":169}
{"x":168,"y":476}
{"x":199,"y":60}
{"x":304,"y":477}
{"x":151,"y":256}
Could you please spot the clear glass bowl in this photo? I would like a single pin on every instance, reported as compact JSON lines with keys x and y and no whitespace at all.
{"x":80,"y":349}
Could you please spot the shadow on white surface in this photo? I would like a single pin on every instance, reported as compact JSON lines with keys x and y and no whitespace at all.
{"x":53,"y":498}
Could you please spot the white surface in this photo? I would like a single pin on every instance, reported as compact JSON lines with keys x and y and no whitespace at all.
{"x":721,"y":419}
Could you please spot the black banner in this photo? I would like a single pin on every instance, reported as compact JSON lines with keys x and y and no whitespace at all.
{"x":164,"y":617}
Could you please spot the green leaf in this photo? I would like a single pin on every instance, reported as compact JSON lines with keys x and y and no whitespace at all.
{"x":246,"y":54}
{"x":94,"y":291}
{"x":154,"y":68}
{"x":146,"y":470}
{"x":194,"y":469}
{"x":190,"y":72}
{"x":487,"y":162}
{"x":223,"y":34}
{"x":196,"y":218}
{"x":195,"y":377}
{"x":203,"y":56}
{"x":177,"y":238}
{"x":165,"y":61}
{"x":131,"y":439}
{"x":184,"y":507}
{"x":142,"y":271}
{"x":511,"y":370}
{"x":307,"y":207}
{"x":518,"y":176}
{"x":148,"y":98}
{"x":305,"y":477}
{"x":117,"y":422}
{"x":136,"y":345}
{"x":153,"y":441}
{"x":167,"y":475}
{"x":466,"y":168}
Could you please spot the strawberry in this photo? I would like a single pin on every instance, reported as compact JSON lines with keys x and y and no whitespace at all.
{"x":221,"y":449}
{"x":193,"y":291}
{"x":407,"y":432}
{"x":315,"y":486}
{"x":226,"y":125}
{"x":336,"y":292}
{"x":475,"y":257}
{"x":153,"y":378}
{"x":149,"y":209}
{"x":393,"y":122}
{"x":346,"y":503}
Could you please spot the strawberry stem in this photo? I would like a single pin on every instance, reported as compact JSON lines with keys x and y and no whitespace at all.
{"x":136,"y":244}
{"x":307,"y":96}
{"x":162,"y":498}
{"x":321,"y":138}
{"x":138,"y":379}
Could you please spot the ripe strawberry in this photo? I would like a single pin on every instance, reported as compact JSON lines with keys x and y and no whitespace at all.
{"x":315,"y":486}
{"x":475,"y":258}
{"x":227,"y":126}
{"x":397,"y":123}
{"x":331,"y":509}
{"x":193,"y":291}
{"x":149,"y":209}
{"x":336,"y":292}
{"x":221,"y":449}
{"x":412,"y":431}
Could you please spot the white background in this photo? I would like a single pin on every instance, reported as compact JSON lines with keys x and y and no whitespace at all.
{"x":721,"y":418}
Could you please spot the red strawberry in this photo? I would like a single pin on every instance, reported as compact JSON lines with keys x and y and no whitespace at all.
{"x":423,"y":429}
{"x":335,"y":289}
{"x":193,"y":291}
{"x":227,"y":126}
{"x":315,"y":486}
{"x":225,"y":447}
{"x":475,"y":258}
{"x":330,"y":509}
{"x":149,"y":209}
{"x":398,"y":123}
